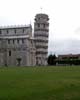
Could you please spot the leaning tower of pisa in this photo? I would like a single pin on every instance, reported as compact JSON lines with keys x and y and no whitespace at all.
{"x":41,"y":33}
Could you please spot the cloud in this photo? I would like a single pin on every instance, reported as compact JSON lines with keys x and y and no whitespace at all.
{"x":77,"y":30}
{"x":65,"y":46}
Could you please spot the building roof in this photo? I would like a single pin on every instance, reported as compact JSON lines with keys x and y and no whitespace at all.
{"x":15,"y":26}
{"x":69,"y":55}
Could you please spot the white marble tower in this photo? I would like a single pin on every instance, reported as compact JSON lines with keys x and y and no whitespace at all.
{"x":41,"y":33}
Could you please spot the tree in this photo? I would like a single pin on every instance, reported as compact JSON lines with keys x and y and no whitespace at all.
{"x":51,"y":59}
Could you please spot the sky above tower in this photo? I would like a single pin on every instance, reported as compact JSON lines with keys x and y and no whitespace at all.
{"x":64,"y":34}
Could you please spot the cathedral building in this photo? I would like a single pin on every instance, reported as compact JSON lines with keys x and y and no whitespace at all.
{"x":18,"y":47}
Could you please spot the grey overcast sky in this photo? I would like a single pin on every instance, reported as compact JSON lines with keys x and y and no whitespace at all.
{"x":64,"y":34}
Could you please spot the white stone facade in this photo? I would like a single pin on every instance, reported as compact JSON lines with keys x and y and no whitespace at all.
{"x":19,"y":48}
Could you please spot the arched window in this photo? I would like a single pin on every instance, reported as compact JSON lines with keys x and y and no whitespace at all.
{"x":0,"y":31}
{"x":38,"y":25}
{"x":9,"y":53}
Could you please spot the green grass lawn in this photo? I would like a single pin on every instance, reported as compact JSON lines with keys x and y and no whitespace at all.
{"x":40,"y":83}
